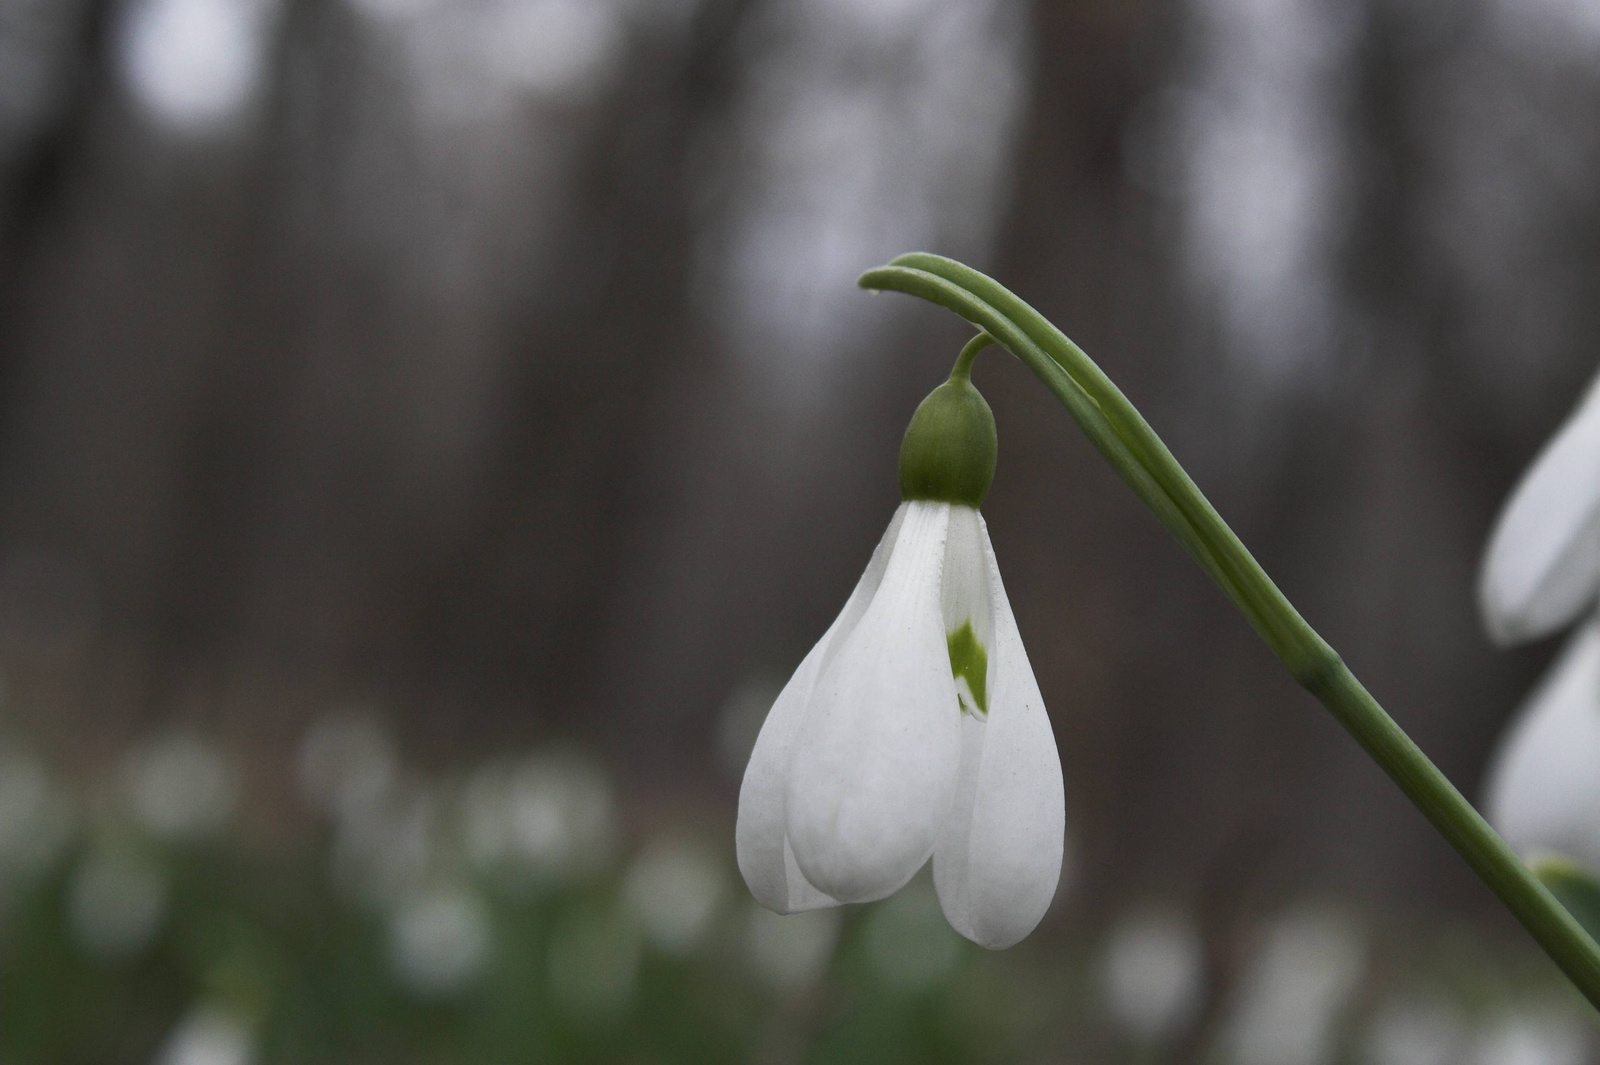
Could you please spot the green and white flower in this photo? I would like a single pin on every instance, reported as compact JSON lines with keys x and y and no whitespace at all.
{"x":915,"y":727}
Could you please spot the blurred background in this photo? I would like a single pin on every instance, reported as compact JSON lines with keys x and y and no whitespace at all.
{"x":432,"y":430}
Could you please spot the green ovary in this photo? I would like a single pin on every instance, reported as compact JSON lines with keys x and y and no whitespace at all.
{"x":969,"y":662}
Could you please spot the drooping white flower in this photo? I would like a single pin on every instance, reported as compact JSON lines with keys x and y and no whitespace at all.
{"x":1542,"y":567}
{"x":1542,"y":571}
{"x":1544,"y":783}
{"x":914,"y":728}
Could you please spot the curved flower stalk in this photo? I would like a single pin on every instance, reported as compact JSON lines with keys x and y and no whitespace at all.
{"x":1541,"y":571}
{"x":915,"y":727}
{"x":1138,"y":455}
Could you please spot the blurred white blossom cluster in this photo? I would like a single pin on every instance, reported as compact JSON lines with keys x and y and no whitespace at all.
{"x":1306,"y":986}
{"x":520,"y":901}
{"x":432,"y":856}
{"x":453,"y":882}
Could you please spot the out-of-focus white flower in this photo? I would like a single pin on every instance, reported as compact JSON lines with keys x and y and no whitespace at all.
{"x":208,"y":1036}
{"x":548,"y":818}
{"x":387,"y":842}
{"x":1543,"y":790}
{"x":1533,"y":1035}
{"x":1415,"y":1031}
{"x":349,"y":764}
{"x":676,"y":889}
{"x":1154,"y":972}
{"x":116,"y":902}
{"x":440,"y":940}
{"x":1309,"y":966}
{"x":791,"y":952}
{"x":179,"y":788}
{"x":387,"y":852}
{"x":1542,"y":566}
{"x":1542,"y":571}
{"x":914,"y":728}
{"x":36,"y":815}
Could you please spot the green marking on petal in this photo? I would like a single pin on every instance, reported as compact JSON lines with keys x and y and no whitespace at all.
{"x":969,"y":662}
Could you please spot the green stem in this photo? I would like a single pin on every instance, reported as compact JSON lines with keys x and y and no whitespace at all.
{"x":962,"y":370}
{"x":1138,"y":455}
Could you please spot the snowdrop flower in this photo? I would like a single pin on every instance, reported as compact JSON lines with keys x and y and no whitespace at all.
{"x":208,"y":1036}
{"x":1542,"y":568}
{"x":1154,"y":972}
{"x":915,"y":727}
{"x":1542,"y":571}
{"x":440,"y":940}
{"x":1287,"y":1011}
{"x":180,"y":788}
{"x":1544,"y":781}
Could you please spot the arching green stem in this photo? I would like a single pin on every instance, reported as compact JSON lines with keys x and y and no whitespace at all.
{"x":1137,"y":454}
{"x":962,"y":370}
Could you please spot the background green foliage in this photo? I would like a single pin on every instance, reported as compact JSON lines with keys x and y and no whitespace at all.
{"x":399,"y":921}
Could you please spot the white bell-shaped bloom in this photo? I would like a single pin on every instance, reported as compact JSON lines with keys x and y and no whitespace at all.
{"x":914,"y":728}
{"x":1542,"y":568}
{"x":1541,"y":572}
{"x":1544,"y":784}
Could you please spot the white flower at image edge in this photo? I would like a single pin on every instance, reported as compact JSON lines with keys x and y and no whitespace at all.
{"x":1541,"y":571}
{"x":1542,"y":567}
{"x":1543,"y":790}
{"x":914,"y":728}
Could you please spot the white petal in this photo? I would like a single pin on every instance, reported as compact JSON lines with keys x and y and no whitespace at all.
{"x":765,"y":858}
{"x":1544,"y":783}
{"x":1542,"y":567}
{"x":875,"y":764}
{"x":964,"y":598}
{"x":999,"y":860}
